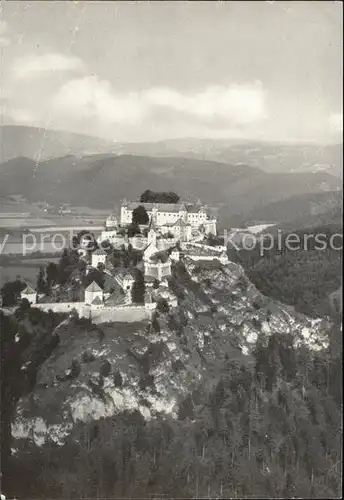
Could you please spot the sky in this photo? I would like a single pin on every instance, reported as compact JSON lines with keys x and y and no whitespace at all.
{"x":146,"y":71}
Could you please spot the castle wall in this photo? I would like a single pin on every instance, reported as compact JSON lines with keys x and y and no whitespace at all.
{"x":195,"y":219}
{"x":125,"y":314}
{"x":101,"y":314}
{"x":166,"y":218}
{"x":165,"y":269}
{"x":218,"y":248}
{"x":223,"y":260}
{"x":165,"y":244}
{"x":64,"y":307}
{"x":138,"y":243}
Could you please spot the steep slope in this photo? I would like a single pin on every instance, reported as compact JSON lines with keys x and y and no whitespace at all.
{"x":228,"y":394}
{"x":220,"y":312}
{"x":299,"y":211}
{"x":301,"y":275}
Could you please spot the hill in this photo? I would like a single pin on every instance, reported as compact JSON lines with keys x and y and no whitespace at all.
{"x":101,"y":181}
{"x":297,"y":212}
{"x":42,"y":143}
{"x":269,"y":156}
{"x":303,"y":277}
{"x":228,"y":394}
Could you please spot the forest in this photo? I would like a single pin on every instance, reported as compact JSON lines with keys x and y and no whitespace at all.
{"x":303,"y":278}
{"x":270,"y":427}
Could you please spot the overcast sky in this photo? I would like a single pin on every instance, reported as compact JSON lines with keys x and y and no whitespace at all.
{"x":137,"y":71}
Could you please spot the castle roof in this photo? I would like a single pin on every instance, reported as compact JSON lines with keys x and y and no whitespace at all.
{"x":124,"y":275}
{"x":160,"y":256}
{"x":112,"y":217}
{"x":117,"y":297}
{"x":194,"y":209}
{"x":163,"y":207}
{"x":93,"y":287}
{"x":180,"y":222}
{"x":111,"y":221}
{"x":100,"y":251}
{"x":96,"y":301}
{"x":29,"y":290}
{"x":150,"y":249}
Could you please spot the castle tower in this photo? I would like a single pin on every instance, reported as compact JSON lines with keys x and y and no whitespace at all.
{"x":111,"y":223}
{"x":183,"y":214}
{"x":152,"y":233}
{"x":124,"y":205}
{"x":152,"y":237}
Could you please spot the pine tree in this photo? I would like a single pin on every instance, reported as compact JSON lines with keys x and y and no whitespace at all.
{"x":41,"y":282}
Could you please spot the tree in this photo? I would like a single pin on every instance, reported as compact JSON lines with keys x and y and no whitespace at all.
{"x":118,"y":380}
{"x":163,"y":306}
{"x":159,"y":197}
{"x":84,"y":239}
{"x":140,"y":215}
{"x":94,"y":275}
{"x":41,"y":283}
{"x":101,"y":267}
{"x":133,"y":229}
{"x":105,"y":368}
{"x":52,"y":274}
{"x":138,"y":290}
{"x":11,"y":292}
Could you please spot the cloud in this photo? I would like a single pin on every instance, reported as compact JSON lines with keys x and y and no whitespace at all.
{"x":91,"y":97}
{"x":236,"y":103}
{"x":19,"y":115}
{"x":34,"y":66}
{"x":336,"y":122}
{"x":4,"y":40}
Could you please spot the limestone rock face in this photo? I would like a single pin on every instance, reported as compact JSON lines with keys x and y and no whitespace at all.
{"x":219,"y":313}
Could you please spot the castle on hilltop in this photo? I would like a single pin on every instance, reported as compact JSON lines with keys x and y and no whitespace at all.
{"x":173,"y":232}
{"x":170,"y":217}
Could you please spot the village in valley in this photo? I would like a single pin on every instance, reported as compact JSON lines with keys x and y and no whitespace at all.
{"x":124,"y":274}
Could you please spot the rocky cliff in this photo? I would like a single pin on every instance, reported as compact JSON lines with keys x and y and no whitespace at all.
{"x":153,"y":367}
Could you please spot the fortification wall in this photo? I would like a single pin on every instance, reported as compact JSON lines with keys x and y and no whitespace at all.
{"x":217,"y":248}
{"x":125,"y":314}
{"x":208,"y":257}
{"x":61,"y":306}
{"x":101,"y":314}
{"x":167,"y":243}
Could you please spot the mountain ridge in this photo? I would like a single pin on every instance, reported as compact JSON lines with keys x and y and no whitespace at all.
{"x":101,"y":181}
{"x":39,"y":143}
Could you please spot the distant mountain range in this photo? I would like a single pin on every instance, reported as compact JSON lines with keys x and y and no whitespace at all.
{"x":97,"y":176}
{"x":43,"y":144}
{"x":101,"y":181}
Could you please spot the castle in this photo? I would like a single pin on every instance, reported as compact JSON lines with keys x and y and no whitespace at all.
{"x":170,"y":217}
{"x":174,"y":231}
